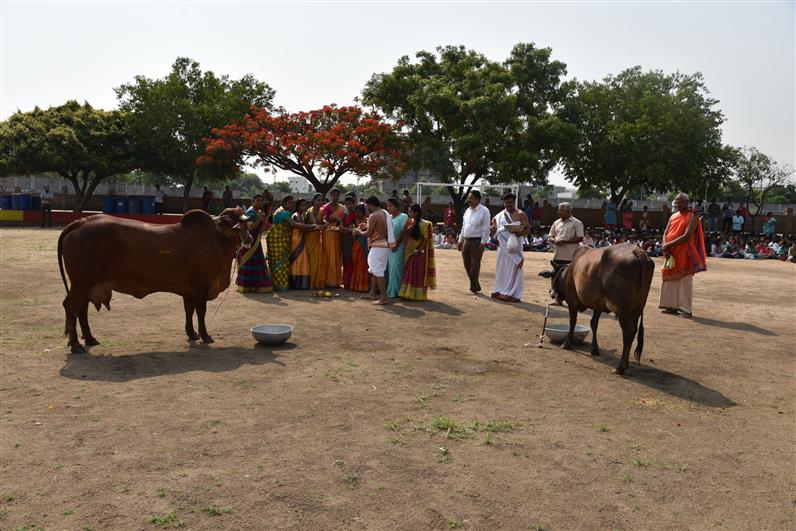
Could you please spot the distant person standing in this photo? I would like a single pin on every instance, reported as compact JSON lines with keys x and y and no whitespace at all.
{"x":714,"y":212}
{"x":737,"y":222}
{"x":207,"y":196}
{"x":380,"y":239}
{"x":450,"y":216}
{"x":610,"y":215}
{"x":159,"y":195}
{"x":226,"y":197}
{"x":474,"y":237}
{"x":406,"y":202}
{"x":727,"y":213}
{"x":47,"y":206}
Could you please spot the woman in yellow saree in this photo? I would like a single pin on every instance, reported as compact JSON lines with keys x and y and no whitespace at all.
{"x":299,"y":272}
{"x":419,"y":269}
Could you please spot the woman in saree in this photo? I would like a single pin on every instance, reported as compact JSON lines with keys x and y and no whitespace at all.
{"x":349,"y":219}
{"x":333,"y":213}
{"x":279,"y":242}
{"x":359,"y":254}
{"x":395,"y":267}
{"x":420,"y":269}
{"x":313,"y":242}
{"x":299,"y":272}
{"x":253,"y":275}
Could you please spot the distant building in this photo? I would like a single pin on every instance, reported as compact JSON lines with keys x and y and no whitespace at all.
{"x":299,"y":185}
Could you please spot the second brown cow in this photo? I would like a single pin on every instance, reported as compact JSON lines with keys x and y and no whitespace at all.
{"x":613,"y":279}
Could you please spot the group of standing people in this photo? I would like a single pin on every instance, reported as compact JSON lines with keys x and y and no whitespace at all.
{"x":324,"y":245}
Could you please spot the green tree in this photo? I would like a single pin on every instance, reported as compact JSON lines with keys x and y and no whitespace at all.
{"x":471,"y":120}
{"x":82,"y":144}
{"x":645,"y":130}
{"x":758,"y":174}
{"x":171,"y":117}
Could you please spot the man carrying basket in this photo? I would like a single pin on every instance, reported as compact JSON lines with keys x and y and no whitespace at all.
{"x":511,"y":226}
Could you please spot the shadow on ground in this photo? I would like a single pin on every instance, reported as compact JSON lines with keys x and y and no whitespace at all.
{"x":741,"y":327}
{"x":152,"y":364}
{"x":665,"y":381}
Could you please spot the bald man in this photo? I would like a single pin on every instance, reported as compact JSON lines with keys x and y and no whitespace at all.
{"x":566,"y":233}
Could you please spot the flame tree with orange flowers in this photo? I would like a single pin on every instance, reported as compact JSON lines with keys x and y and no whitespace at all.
{"x":320,"y":145}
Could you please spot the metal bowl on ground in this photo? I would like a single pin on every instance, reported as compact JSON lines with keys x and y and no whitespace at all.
{"x":558,"y":333}
{"x":271,"y":334}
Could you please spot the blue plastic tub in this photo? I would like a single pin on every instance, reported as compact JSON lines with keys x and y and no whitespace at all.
{"x":148,"y":205}
{"x":5,"y":202}
{"x":25,"y":202}
{"x":135,"y":205}
{"x":108,"y":204}
{"x":15,"y":201}
{"x":122,"y":204}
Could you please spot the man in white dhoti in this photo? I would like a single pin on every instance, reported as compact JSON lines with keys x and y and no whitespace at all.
{"x":511,"y":227}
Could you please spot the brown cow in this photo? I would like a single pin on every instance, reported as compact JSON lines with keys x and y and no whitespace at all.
{"x":191,"y":258}
{"x":611,"y":279}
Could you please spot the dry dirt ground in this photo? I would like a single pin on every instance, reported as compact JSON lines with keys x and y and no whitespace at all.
{"x":417,"y":415}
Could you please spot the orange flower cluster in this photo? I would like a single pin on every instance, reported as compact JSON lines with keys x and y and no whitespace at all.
{"x":321,"y":144}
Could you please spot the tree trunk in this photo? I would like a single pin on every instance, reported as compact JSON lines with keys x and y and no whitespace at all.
{"x":89,"y":193}
{"x":187,"y":192}
{"x":458,"y":203}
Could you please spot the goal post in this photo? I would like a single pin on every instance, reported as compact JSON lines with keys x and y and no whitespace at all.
{"x":515,"y":188}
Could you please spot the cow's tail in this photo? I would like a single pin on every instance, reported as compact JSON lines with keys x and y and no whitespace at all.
{"x":64,"y":232}
{"x":647,"y":271}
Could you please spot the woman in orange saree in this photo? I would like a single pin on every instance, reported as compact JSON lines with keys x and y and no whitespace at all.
{"x":684,"y":252}
{"x":333,"y":213}
{"x":313,"y":242}
{"x":299,"y":273}
{"x":419,"y":268}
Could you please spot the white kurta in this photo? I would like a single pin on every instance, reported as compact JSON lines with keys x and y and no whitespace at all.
{"x":508,"y":265}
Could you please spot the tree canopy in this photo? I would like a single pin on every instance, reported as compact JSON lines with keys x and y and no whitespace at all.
{"x":321,"y":145}
{"x":758,"y":174}
{"x":649,"y":130}
{"x":470,"y":119}
{"x":171,"y":117}
{"x":82,"y":144}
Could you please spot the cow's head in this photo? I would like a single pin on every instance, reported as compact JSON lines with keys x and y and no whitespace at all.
{"x":556,"y":276}
{"x":232,"y":224}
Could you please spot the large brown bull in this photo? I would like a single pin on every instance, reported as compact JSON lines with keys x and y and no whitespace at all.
{"x":611,"y":279}
{"x":192,"y":258}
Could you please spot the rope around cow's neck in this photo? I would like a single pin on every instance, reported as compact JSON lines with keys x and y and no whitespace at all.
{"x":231,"y":278}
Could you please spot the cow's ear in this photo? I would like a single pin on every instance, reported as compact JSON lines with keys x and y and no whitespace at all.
{"x":546,"y":274}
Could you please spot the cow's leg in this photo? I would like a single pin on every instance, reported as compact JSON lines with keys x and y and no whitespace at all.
{"x":639,"y":340}
{"x":83,"y":317}
{"x":71,"y":325}
{"x":573,"y":319}
{"x":189,"y":308}
{"x":629,"y":325}
{"x":201,"y":309}
{"x":595,"y":320}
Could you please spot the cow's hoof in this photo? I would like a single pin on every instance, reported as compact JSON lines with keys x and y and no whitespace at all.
{"x":207,"y":339}
{"x":193,"y":336}
{"x":619,"y":370}
{"x":77,"y":349}
{"x":595,"y":352}
{"x":565,"y":346}
{"x":91,"y":341}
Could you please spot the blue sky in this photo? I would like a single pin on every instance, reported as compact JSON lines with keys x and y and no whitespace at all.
{"x":324,"y":52}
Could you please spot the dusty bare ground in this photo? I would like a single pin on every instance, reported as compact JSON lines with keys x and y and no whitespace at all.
{"x":423,"y":415}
